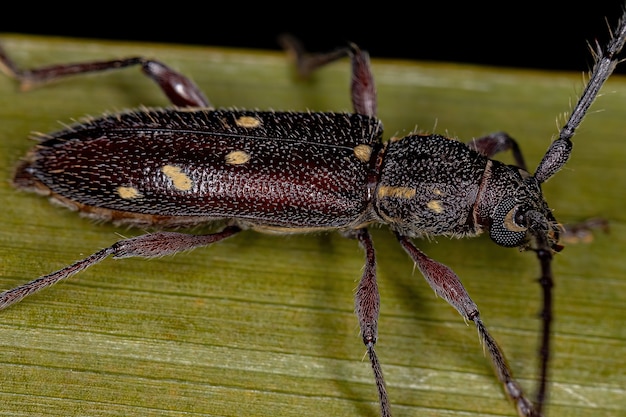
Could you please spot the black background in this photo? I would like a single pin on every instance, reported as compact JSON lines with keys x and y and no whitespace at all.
{"x":551,"y":35}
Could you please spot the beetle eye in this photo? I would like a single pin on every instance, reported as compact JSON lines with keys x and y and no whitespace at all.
{"x":518,"y":217}
{"x":508,"y":227}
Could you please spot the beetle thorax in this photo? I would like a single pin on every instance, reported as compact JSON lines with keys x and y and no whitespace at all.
{"x":428,"y":186}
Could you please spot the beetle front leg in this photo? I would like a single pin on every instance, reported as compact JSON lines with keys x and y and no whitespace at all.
{"x":498,"y":142}
{"x":180,"y":90}
{"x":367,"y":307}
{"x":151,"y":245}
{"x":448,"y":286}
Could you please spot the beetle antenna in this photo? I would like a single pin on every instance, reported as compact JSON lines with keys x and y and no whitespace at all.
{"x":555,"y":158}
{"x":606,"y":61}
{"x":544,"y":254}
{"x":540,"y":230}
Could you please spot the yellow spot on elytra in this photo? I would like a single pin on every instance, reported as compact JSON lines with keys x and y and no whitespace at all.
{"x":248,"y":122}
{"x":435,"y":205}
{"x":237,"y":157}
{"x":180,"y":180}
{"x":437,"y":191}
{"x":363,"y":152}
{"x":401,"y":192}
{"x":128,"y":193}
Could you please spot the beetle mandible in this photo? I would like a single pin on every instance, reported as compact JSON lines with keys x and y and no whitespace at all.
{"x":295,"y":172}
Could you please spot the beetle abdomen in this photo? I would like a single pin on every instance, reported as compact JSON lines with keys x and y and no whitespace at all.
{"x":296,"y":169}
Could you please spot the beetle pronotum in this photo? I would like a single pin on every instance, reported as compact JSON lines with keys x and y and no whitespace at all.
{"x":514,"y":214}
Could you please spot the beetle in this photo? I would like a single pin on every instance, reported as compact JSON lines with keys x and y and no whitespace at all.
{"x":294,"y":172}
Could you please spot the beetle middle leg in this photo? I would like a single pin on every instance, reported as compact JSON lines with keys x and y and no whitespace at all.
{"x":362,"y":88}
{"x":367,"y":308}
{"x":150,"y":245}
{"x":180,"y":90}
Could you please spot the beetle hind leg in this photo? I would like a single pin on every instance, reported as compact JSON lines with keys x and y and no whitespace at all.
{"x":145,"y":246}
{"x":179,"y":89}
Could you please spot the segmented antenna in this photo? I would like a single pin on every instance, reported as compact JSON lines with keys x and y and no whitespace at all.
{"x":606,"y":61}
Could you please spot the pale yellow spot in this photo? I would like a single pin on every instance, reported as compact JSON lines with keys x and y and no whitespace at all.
{"x":128,"y":193}
{"x":401,"y":192}
{"x":237,"y":157}
{"x":363,"y":152}
{"x":435,"y":205}
{"x":437,"y":191}
{"x":180,"y":180}
{"x":248,"y":122}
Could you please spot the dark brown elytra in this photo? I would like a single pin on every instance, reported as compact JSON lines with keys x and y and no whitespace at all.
{"x":293,"y":172}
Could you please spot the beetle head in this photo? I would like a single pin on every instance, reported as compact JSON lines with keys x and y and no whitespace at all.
{"x":519,"y":215}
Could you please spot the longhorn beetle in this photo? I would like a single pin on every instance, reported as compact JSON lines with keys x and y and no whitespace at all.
{"x":295,"y":172}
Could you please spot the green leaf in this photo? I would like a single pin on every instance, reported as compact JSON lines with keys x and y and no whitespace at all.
{"x":263,"y":325}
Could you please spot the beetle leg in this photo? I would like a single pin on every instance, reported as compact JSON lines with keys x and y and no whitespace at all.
{"x":582,"y":232}
{"x":180,"y":90}
{"x":363,"y":89}
{"x":448,"y":286}
{"x":306,"y":62}
{"x":145,"y":246}
{"x":498,"y":142}
{"x":367,"y":307}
